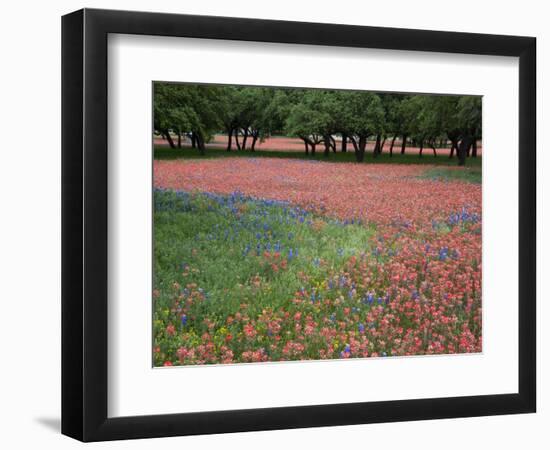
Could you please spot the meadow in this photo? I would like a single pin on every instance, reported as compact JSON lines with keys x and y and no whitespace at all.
{"x":283,"y":258}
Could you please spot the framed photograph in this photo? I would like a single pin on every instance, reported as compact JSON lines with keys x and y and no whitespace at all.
{"x":273,"y":225}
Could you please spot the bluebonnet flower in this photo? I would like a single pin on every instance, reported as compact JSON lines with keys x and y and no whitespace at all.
{"x":184,"y":319}
{"x":341,"y":281}
{"x":361,"y":328}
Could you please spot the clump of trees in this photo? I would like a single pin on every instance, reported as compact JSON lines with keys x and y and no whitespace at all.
{"x":318,"y":117}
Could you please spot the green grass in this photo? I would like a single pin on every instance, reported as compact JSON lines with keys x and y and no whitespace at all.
{"x":220,"y":243}
{"x":161,"y":152}
{"x":467,"y":174}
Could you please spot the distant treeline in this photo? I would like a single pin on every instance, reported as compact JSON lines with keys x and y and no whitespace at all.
{"x":316,"y":116}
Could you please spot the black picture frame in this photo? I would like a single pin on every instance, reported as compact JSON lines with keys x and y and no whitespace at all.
{"x":84,"y":224}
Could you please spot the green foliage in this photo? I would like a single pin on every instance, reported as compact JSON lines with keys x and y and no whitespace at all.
{"x":467,"y":174}
{"x":468,"y":114}
{"x":187,"y":108}
{"x":309,"y":118}
{"x":314,"y":115}
{"x":364,"y":114}
{"x":230,"y":238}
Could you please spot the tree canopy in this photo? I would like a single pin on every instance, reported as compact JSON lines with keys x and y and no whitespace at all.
{"x":317,"y":117}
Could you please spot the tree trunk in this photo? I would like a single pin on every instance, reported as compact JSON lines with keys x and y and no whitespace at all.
{"x":404,"y":144}
{"x":462,"y":149}
{"x":421,"y":148}
{"x":254,"y":139}
{"x":433,"y":148}
{"x":454,"y":146}
{"x":326,"y":141}
{"x":179,"y":139}
{"x":376,"y":150}
{"x":382,"y":146}
{"x":243,"y":146}
{"x":474,"y":148}
{"x":237,"y":139}
{"x":360,"y":151}
{"x":333,"y":144}
{"x":391,"y":146}
{"x":306,"y":146}
{"x":344,"y":143}
{"x":354,"y":142}
{"x":169,"y":139}
{"x":200,"y":143}
{"x":193,"y":140}
{"x":229,"y":137}
{"x":313,"y":145}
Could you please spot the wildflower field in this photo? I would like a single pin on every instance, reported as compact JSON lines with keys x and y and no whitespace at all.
{"x":272,"y":259}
